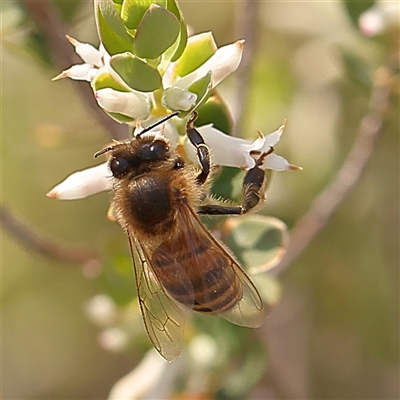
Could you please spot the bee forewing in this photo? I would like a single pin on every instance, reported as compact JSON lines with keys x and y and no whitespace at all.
{"x":221,"y":273}
{"x":249,"y":310}
{"x":163,"y":317}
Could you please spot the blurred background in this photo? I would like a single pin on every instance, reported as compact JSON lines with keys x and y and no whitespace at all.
{"x":334,"y":334}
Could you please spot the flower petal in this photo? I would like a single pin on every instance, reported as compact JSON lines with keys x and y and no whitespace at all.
{"x":87,"y":52}
{"x":225,"y":150}
{"x":235,"y":152}
{"x":225,"y":60}
{"x":79,"y":72}
{"x":82,"y":184}
{"x":273,"y":138}
{"x":278,"y":163}
{"x":133,"y":104}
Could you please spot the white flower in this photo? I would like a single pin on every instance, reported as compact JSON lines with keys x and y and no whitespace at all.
{"x":221,"y":64}
{"x":225,"y":151}
{"x":133,"y":103}
{"x":380,"y":17}
{"x":94,"y":61}
{"x":176,"y":98}
{"x":82,"y":184}
{"x":235,"y":152}
{"x":138,"y":105}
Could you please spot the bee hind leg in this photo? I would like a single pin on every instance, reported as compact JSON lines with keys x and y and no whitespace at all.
{"x":253,"y":192}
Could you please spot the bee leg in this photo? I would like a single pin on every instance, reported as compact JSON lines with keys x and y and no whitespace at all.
{"x":253,"y":192}
{"x":203,"y":153}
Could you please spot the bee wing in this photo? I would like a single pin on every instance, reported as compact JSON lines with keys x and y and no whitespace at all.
{"x":249,"y":309}
{"x":163,"y":317}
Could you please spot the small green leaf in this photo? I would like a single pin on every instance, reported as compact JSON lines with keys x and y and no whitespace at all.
{"x":269,"y":289}
{"x":196,"y":53}
{"x":228,"y":184}
{"x":258,"y":241}
{"x":215,"y":111}
{"x":201,"y":88}
{"x":105,"y":80}
{"x":136,"y":73}
{"x":179,"y":46}
{"x":111,"y":28}
{"x":132,"y":11}
{"x":156,"y":32}
{"x":121,"y":118}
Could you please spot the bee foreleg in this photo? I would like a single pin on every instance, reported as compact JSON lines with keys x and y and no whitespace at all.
{"x":203,"y":153}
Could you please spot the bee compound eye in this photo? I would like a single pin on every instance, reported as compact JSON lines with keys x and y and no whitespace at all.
{"x":119,"y":166}
{"x":159,"y":149}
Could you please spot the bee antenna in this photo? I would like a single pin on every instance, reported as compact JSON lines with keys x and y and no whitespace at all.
{"x":157,"y":123}
{"x":106,"y":149}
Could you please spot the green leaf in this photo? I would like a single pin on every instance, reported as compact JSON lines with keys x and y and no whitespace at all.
{"x":258,"y":241}
{"x":201,"y":88}
{"x":105,"y":80}
{"x":177,"y":50}
{"x":196,"y":53}
{"x":269,"y":289}
{"x":121,"y":118}
{"x":228,"y":184}
{"x":132,"y":11}
{"x":215,"y":112}
{"x":355,"y":8}
{"x":157,"y":31}
{"x":136,"y":73}
{"x":110,"y":28}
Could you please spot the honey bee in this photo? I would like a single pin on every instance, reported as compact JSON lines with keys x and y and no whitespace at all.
{"x":178,"y":264}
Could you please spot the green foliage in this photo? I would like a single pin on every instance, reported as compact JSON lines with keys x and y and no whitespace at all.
{"x":196,"y":53}
{"x":105,"y":80}
{"x":157,"y":31}
{"x":137,"y":74}
{"x":215,"y":111}
{"x":111,"y":29}
{"x":132,"y":11}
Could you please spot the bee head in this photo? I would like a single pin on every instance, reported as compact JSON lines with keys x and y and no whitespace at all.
{"x":138,"y":155}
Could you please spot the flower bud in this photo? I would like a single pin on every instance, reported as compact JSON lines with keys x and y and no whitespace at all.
{"x":133,"y":104}
{"x":178,"y":99}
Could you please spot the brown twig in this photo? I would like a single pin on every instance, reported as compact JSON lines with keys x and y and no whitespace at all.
{"x":48,"y":21}
{"x":246,"y":28}
{"x":348,"y":175}
{"x":30,"y":239}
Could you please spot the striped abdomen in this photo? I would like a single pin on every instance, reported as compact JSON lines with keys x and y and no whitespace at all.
{"x":199,"y":275}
